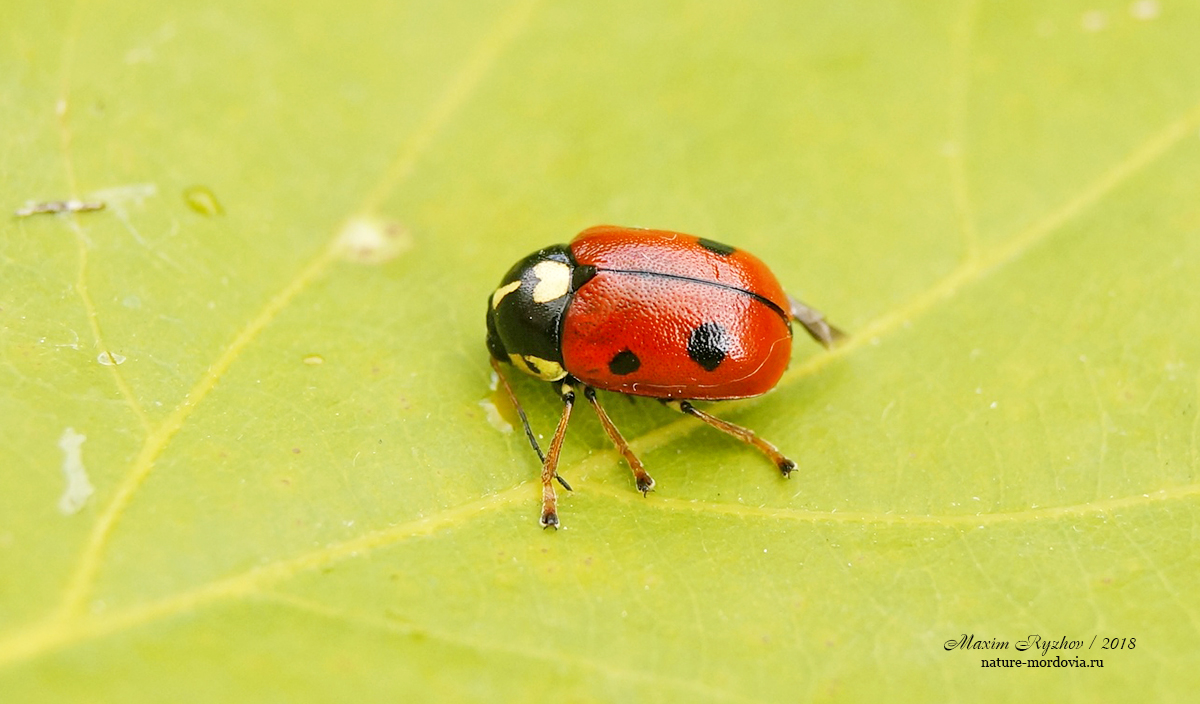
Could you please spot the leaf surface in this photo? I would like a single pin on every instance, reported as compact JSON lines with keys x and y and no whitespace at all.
{"x":298,"y":494}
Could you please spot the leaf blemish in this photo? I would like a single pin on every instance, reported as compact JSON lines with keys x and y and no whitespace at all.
{"x":1094,"y":20}
{"x":366,"y":240}
{"x":110,"y":359}
{"x":132,"y":194}
{"x":54,"y":207}
{"x":79,"y":488}
{"x":1144,"y":9}
{"x":494,"y":417}
{"x":202,"y":201}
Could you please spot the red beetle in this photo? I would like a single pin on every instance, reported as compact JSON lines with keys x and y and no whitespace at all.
{"x":647,"y":313}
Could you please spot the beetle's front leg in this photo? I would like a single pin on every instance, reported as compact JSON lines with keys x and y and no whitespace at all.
{"x":550,"y":466}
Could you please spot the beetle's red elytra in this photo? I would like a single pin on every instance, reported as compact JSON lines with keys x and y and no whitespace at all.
{"x":647,"y":313}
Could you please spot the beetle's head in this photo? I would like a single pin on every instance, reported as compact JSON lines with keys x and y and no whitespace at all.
{"x":525,"y":313}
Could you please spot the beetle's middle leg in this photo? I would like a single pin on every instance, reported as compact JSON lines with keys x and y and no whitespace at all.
{"x":644,"y":482}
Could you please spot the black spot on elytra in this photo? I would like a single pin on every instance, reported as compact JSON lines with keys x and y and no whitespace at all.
{"x":707,"y":345}
{"x":716,"y":247}
{"x":624,"y":362}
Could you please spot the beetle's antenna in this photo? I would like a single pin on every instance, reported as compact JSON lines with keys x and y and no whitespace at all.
{"x":512,"y":397}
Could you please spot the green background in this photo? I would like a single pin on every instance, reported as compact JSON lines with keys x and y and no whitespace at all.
{"x":998,"y":199}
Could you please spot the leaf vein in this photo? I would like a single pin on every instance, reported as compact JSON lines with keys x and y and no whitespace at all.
{"x":1102,"y":507}
{"x":54,"y":635}
{"x":556,"y":657}
{"x":62,"y":112}
{"x":967,"y":273}
{"x":82,"y":578}
{"x":960,"y":86}
{"x":69,"y":626}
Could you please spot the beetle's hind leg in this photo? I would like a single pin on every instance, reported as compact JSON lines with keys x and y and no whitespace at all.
{"x":814,"y":322}
{"x":644,"y":482}
{"x":744,"y":434}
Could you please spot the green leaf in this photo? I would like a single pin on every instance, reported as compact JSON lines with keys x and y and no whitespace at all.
{"x":299,"y":495}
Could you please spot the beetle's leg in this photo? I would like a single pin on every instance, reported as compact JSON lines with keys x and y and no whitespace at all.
{"x":550,"y":465}
{"x":744,"y":434}
{"x":644,"y":482}
{"x":512,"y":398}
{"x":814,"y":322}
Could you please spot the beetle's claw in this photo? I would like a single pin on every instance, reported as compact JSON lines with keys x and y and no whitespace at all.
{"x":645,"y":484}
{"x":549,"y":520}
{"x":786,"y":466}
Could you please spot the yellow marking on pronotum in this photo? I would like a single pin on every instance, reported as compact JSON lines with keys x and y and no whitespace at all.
{"x":504,"y":291}
{"x":542,"y":368}
{"x":554,"y":280}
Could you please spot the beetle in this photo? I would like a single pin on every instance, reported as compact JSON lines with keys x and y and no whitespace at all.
{"x":650,"y":313}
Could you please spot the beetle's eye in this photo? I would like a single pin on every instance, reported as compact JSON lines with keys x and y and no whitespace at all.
{"x":494,"y":344}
